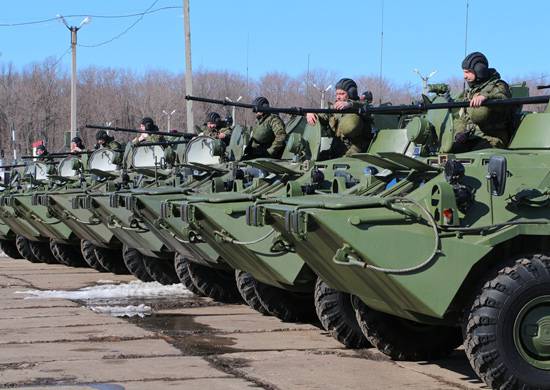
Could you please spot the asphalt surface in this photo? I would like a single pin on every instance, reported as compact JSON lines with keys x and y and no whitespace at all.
{"x":187,"y":343}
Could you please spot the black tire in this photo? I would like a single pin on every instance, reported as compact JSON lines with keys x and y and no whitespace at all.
{"x":133,"y":259}
{"x":337,"y":315}
{"x":161,"y":270}
{"x":402,"y":339}
{"x":87,"y":248}
{"x":10,"y":249}
{"x":214,"y":283}
{"x":41,"y":250}
{"x":111,"y":260}
{"x":181,"y":264}
{"x":247,"y":287}
{"x":490,"y":343}
{"x":67,"y":254}
{"x":286,"y":305}
{"x":24,"y":249}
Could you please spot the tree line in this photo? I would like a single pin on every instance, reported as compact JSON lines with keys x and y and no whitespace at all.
{"x":35,"y":100}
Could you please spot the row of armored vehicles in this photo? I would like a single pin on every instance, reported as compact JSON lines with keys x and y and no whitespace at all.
{"x":406,"y":244}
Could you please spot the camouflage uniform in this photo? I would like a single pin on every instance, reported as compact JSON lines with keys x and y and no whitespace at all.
{"x":485,"y":127}
{"x":352,"y":139}
{"x":268,"y":137}
{"x":208,"y":132}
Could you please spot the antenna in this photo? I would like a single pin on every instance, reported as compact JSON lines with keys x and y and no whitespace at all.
{"x":425,"y":79}
{"x":466,"y":29}
{"x":381,"y":55}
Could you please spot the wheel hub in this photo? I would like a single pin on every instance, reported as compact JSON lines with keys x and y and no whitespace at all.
{"x":532,"y":332}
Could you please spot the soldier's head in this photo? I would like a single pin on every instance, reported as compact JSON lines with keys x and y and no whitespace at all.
{"x":260,"y":101}
{"x":102,"y":137}
{"x":77,"y":144}
{"x":346,"y":89}
{"x":213,"y":120}
{"x":475,"y":67}
{"x":41,"y":151}
{"x":148,"y":124}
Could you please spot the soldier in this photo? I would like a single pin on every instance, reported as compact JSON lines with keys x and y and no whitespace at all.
{"x":104,"y":140}
{"x":352,"y":130}
{"x":77,"y":145}
{"x":268,"y":134}
{"x":147,"y":124}
{"x":479,"y":127}
{"x":43,"y":156}
{"x":215,"y":127}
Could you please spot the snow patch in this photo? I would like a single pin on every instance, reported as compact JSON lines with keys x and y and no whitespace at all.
{"x":134,"y":289}
{"x":124,"y":311}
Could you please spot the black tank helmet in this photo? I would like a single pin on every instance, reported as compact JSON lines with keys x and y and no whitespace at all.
{"x":149,"y":124}
{"x":102,"y":135}
{"x":349,"y":86}
{"x":260,"y":101}
{"x":78,"y":142}
{"x":477,"y":63}
{"x":41,"y":150}
{"x":213,"y":117}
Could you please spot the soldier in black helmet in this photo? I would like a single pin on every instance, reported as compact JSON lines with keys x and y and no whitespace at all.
{"x":353,"y":131}
{"x":268,"y":134}
{"x":215,"y":127}
{"x":147,"y":124}
{"x":479,"y":127}
{"x":77,"y":145}
{"x":104,"y":140}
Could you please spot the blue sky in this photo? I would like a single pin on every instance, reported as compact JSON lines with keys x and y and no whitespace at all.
{"x":343,"y":37}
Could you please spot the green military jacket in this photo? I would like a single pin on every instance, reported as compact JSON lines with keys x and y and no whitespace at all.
{"x":208,"y":132}
{"x":268,"y":137}
{"x":492,"y":125}
{"x":353,"y":130}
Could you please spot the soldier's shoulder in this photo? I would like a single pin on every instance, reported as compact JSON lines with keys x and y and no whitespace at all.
{"x":275,"y":119}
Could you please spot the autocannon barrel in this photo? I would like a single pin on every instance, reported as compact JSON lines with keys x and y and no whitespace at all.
{"x":142,"y":144}
{"x":62,"y":154}
{"x":402,"y":109}
{"x":121,"y":129}
{"x":224,"y":102}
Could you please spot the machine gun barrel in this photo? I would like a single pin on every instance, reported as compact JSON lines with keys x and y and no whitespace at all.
{"x":62,"y":154}
{"x":166,"y":133}
{"x":220,"y":102}
{"x":543,"y":86}
{"x":168,"y":143}
{"x":12,"y":166}
{"x":403,"y":109}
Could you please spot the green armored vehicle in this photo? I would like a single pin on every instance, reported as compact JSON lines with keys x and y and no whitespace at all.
{"x":458,"y":244}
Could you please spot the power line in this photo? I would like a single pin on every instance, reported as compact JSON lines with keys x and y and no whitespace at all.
{"x":142,"y":15}
{"x":148,"y":12}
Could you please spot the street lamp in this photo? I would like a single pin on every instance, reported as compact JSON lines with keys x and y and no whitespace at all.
{"x":74,"y":30}
{"x":323,"y":93}
{"x":425,"y":80}
{"x":168,"y":118}
{"x":233,"y":109}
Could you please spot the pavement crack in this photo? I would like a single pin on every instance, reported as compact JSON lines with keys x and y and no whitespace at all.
{"x":231,"y":366}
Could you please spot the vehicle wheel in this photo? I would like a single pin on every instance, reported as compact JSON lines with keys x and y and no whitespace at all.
{"x":402,"y":339}
{"x":286,"y":305}
{"x":247,"y":287}
{"x":41,"y":250}
{"x":24,"y":249}
{"x":69,"y":255}
{"x":508,"y":330}
{"x":10,"y":249}
{"x":111,"y":260}
{"x":337,"y":316}
{"x":161,"y":270}
{"x":87,"y":248}
{"x":214,"y":283}
{"x":133,"y":259}
{"x":181,"y":264}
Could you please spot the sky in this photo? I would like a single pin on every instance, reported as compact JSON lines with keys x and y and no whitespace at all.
{"x":257,"y":37}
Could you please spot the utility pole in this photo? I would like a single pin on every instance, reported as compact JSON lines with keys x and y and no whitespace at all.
{"x":425,"y":80}
{"x":188,"y":68}
{"x":323,"y":92}
{"x":73,"y":30}
{"x":168,"y":119}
